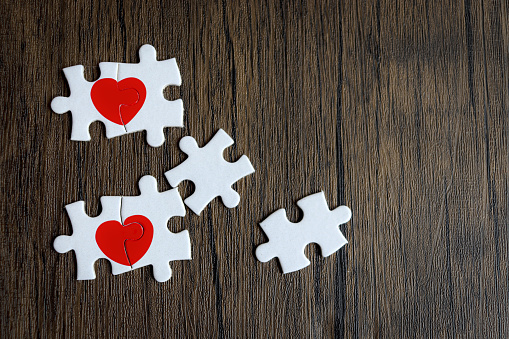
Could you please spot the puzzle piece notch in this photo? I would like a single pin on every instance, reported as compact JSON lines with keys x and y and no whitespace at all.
{"x":157,"y":112}
{"x":82,"y":241}
{"x":80,"y":104}
{"x":288,"y":240}
{"x":159,"y":207}
{"x":211,"y":174}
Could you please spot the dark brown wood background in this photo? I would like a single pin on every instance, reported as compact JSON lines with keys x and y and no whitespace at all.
{"x":399,"y":110}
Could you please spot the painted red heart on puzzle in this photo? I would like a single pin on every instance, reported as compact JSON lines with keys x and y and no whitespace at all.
{"x":125,"y":244}
{"x":119,"y":102}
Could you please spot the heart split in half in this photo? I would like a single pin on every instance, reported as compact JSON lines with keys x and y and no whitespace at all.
{"x":125,"y":244}
{"x":119,"y":102}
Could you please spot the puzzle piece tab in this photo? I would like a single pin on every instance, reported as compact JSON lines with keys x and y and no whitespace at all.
{"x":126,"y":98}
{"x":210,"y":173}
{"x":288,"y":240}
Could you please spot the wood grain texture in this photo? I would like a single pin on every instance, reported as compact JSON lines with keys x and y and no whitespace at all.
{"x":398,"y":109}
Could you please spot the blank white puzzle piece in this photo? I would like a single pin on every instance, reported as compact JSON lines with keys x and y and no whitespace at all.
{"x":155,"y":246}
{"x":133,"y":102}
{"x":288,"y":240}
{"x":211,"y":174}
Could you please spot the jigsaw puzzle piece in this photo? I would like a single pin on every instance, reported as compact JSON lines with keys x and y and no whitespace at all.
{"x":288,"y":240}
{"x":83,"y":239}
{"x":157,"y":112}
{"x":81,"y":105}
{"x":158,"y":208}
{"x":211,"y":174}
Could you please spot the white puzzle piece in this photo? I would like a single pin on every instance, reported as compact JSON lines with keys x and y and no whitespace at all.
{"x":80,"y":103}
{"x":211,"y":174}
{"x":157,"y":112}
{"x":115,"y":107}
{"x":288,"y":240}
{"x":159,"y":208}
{"x":82,"y":240}
{"x":131,"y":232}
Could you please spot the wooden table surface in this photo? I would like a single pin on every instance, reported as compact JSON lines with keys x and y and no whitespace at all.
{"x":399,"y":110}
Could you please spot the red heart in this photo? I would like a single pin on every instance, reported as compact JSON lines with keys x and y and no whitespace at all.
{"x":114,"y":239}
{"x":119,"y":101}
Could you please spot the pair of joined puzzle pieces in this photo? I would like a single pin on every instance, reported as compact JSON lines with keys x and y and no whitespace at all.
{"x":132,"y":232}
{"x":126,"y":98}
{"x":143,"y":240}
